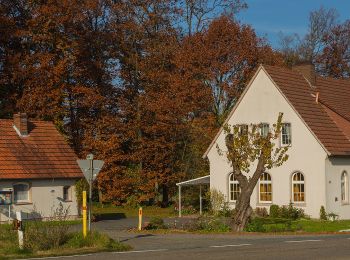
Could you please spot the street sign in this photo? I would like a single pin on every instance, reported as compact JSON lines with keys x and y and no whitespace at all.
{"x":90,"y":169}
{"x":85,"y":166}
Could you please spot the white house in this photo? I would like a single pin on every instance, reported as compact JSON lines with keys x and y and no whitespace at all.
{"x":316,"y":117}
{"x":37,"y":167}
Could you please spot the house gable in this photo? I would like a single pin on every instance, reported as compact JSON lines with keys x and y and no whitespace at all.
{"x":261,"y":102}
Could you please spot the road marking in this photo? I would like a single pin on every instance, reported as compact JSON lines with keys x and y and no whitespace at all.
{"x":233,"y":245}
{"x":140,"y":251}
{"x":63,"y":256}
{"x":300,"y":241}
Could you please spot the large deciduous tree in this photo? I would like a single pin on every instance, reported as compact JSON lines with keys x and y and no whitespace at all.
{"x":248,"y":150}
{"x":222,"y":59}
{"x":334,"y":60}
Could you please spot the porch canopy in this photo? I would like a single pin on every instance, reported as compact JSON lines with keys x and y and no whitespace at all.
{"x":205,"y":180}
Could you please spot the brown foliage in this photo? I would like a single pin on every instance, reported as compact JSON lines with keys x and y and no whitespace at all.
{"x":120,"y":80}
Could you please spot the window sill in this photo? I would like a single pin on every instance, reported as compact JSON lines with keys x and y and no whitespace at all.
{"x":345,"y":203}
{"x":302,"y":204}
{"x":264,"y":203}
{"x":23,"y":203}
{"x":68,"y":200}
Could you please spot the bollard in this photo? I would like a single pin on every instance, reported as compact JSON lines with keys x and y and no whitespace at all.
{"x":84,"y":213}
{"x":19,"y":226}
{"x":140,"y":219}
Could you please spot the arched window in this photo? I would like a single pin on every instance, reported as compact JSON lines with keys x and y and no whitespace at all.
{"x":21,"y":192}
{"x":298,"y":187}
{"x":344,"y":188}
{"x":265,"y":188}
{"x":234,"y":189}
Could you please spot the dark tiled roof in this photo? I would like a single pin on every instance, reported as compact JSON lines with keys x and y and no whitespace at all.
{"x":40,"y":155}
{"x":301,"y":95}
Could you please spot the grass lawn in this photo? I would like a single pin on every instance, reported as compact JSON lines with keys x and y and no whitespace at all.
{"x":321,"y":225}
{"x":301,"y":225}
{"x":125,"y":212}
{"x":73,"y":244}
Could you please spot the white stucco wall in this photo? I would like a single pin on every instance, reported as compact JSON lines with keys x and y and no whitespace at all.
{"x":334,"y":169}
{"x":261,"y":104}
{"x":45,"y":196}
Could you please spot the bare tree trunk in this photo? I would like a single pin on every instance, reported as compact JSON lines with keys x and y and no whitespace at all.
{"x":243,"y":212}
{"x":243,"y":209}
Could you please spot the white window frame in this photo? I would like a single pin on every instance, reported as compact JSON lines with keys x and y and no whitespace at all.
{"x":243,"y":129}
{"x":266,"y":182}
{"x":262,"y":127}
{"x":234,"y":182}
{"x":69,"y":193}
{"x":28,"y":200}
{"x":298,"y":182}
{"x":344,"y":188}
{"x":290,"y":135}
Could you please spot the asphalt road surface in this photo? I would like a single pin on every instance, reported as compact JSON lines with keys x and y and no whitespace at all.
{"x":189,"y":246}
{"x":217,"y":246}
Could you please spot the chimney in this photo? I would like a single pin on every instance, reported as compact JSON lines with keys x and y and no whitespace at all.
{"x":20,"y":122}
{"x":308,"y":71}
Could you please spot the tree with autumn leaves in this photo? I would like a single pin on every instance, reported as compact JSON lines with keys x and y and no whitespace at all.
{"x":144,"y":85}
{"x":251,"y":150}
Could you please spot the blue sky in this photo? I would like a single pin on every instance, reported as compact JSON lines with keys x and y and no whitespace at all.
{"x":269,"y":17}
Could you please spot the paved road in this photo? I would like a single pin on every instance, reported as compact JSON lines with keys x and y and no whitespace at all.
{"x":189,"y":246}
{"x":220,"y":246}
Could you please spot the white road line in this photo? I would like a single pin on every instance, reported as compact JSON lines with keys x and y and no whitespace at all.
{"x":233,"y":245}
{"x":140,"y":251}
{"x":300,"y":241}
{"x":63,"y":256}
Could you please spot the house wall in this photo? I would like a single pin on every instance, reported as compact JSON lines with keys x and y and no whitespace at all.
{"x":262,"y":104}
{"x":45,"y":197}
{"x":334,"y":169}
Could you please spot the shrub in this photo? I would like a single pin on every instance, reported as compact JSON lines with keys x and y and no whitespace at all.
{"x":274,"y":211}
{"x":291,"y":212}
{"x":156,"y":223}
{"x":255,"y":225}
{"x":261,"y":212}
{"x":41,"y":235}
{"x":269,"y":225}
{"x":323,"y":214}
{"x":80,"y":186}
{"x":218,"y":205}
{"x":207,"y":224}
{"x":93,"y":239}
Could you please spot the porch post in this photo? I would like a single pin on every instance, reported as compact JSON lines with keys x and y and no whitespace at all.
{"x":180,"y":201}
{"x":200,"y":199}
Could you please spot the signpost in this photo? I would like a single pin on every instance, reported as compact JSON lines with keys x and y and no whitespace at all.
{"x":90,"y":169}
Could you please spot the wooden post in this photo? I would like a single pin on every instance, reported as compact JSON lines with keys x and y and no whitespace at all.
{"x":84,"y":213}
{"x":20,"y":229}
{"x":180,"y":201}
{"x":200,"y":199}
{"x":140,"y":219}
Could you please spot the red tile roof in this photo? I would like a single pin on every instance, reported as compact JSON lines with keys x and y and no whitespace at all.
{"x":334,"y":95}
{"x":43,"y":154}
